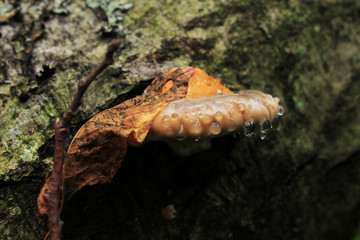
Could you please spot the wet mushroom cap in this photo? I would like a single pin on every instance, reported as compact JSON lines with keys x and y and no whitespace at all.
{"x":210,"y":116}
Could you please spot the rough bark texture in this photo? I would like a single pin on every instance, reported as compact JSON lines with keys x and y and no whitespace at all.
{"x":302,"y":182}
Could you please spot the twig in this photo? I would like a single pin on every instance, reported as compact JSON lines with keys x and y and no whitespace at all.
{"x":61,"y":127}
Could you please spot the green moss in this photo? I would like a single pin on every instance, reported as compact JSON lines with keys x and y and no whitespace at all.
{"x":21,"y":136}
{"x":141,"y":20}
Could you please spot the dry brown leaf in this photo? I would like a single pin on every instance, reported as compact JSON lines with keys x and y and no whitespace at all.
{"x":99,"y":147}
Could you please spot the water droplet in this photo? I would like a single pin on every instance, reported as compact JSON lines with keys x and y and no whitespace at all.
{"x":215,"y":128}
{"x":281,"y":111}
{"x":263,"y":135}
{"x":197,"y":139}
{"x":249,"y":128}
{"x":265,"y":127}
{"x":219,"y":92}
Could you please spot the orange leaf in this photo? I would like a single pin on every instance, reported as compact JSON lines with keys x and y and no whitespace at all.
{"x":202,"y":85}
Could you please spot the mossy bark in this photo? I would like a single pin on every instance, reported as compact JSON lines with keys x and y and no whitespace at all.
{"x":302,"y":182}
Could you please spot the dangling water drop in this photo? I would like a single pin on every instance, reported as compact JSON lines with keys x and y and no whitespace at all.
{"x":249,"y":128}
{"x":263,"y":135}
{"x":281,"y":111}
{"x":197,"y":139}
{"x":265,"y":127}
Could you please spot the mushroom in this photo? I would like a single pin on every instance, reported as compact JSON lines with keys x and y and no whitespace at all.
{"x":209,"y":110}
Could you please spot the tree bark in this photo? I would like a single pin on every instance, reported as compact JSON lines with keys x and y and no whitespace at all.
{"x":301,"y":182}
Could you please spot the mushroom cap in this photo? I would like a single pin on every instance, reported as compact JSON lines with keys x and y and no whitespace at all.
{"x":210,"y":116}
{"x":210,"y":109}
